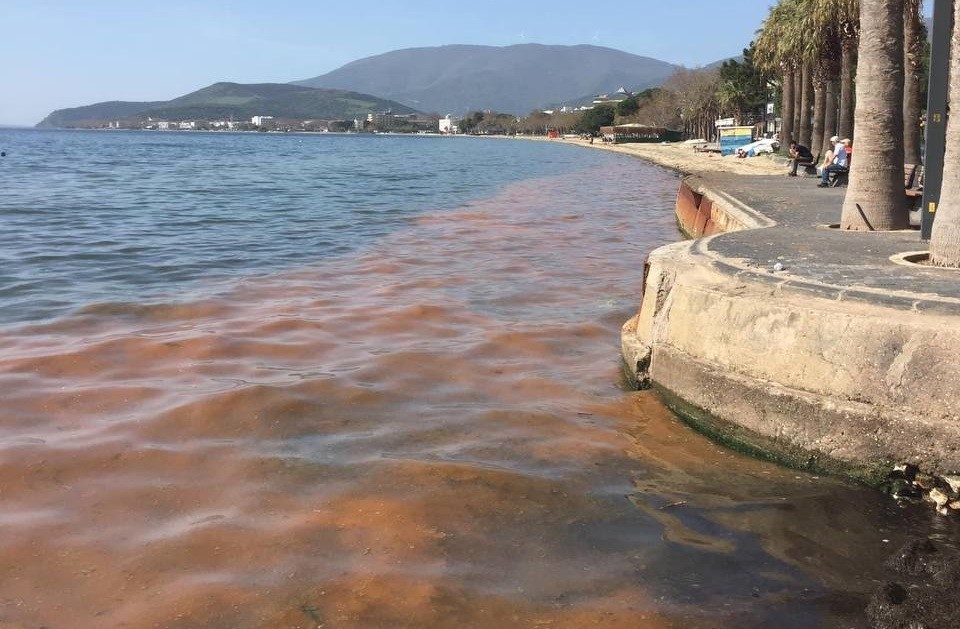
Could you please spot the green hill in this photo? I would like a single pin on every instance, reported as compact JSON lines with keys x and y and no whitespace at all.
{"x":94,"y":114}
{"x":222,"y":101}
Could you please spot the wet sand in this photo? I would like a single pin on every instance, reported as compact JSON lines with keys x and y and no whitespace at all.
{"x":428,"y":433}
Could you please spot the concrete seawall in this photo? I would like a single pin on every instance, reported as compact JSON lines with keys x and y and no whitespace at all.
{"x":799,"y":367}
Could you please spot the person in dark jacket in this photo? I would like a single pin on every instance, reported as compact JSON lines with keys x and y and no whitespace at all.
{"x":800,"y":155}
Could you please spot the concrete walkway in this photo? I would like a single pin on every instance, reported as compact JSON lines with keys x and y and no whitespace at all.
{"x":825,"y":262}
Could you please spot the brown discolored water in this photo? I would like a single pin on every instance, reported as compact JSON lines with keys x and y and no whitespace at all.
{"x":427,"y":432}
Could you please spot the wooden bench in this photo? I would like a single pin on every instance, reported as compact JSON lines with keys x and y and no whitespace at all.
{"x":909,"y":172}
{"x":913,"y":184}
{"x":809,"y":168}
{"x":839,"y":176}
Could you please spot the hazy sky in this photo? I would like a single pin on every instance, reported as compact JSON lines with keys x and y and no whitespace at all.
{"x":66,"y":53}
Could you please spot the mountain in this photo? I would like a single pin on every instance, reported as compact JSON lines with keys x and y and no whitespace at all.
{"x":720,"y":62}
{"x":90,"y":114}
{"x":221,"y":101}
{"x":512,"y":79}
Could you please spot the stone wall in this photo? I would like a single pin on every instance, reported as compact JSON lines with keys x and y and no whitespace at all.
{"x":817,"y":383}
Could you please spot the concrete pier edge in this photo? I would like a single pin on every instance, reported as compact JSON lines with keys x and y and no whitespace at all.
{"x":839,"y":378}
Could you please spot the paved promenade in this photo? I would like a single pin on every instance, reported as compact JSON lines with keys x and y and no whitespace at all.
{"x":826,"y":262}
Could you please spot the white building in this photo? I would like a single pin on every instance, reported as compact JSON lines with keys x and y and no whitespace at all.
{"x":448,"y":125}
{"x":188,"y":124}
{"x":261,"y":120}
{"x":620,"y":95}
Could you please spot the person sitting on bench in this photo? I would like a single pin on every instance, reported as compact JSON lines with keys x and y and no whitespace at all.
{"x":801,"y":157}
{"x":839,"y":163}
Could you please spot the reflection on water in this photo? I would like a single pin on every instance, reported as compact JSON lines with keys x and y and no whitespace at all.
{"x":427,"y":432}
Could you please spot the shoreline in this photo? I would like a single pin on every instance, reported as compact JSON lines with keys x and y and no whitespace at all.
{"x":681,"y":157}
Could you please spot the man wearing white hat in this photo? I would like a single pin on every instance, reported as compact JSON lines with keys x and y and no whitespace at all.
{"x":839,"y":162}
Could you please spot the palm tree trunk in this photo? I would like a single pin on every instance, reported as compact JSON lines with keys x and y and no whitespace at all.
{"x":819,"y":103}
{"x":806,"y":103}
{"x":913,"y":41}
{"x":830,"y":117}
{"x":786,"y":115}
{"x":797,"y":96}
{"x":875,"y":199}
{"x":848,"y":62}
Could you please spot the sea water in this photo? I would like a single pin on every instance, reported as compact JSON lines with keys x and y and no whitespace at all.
{"x":278,"y":380}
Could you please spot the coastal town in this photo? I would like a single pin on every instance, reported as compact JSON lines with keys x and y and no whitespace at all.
{"x":385,"y":121}
{"x":374,"y":122}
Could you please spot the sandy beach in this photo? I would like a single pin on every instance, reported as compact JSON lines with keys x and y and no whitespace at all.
{"x":682,"y":157}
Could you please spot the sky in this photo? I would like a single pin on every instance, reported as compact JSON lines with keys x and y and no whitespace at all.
{"x":67,"y":53}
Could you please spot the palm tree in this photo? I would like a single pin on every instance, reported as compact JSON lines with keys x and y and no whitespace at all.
{"x":831,"y":117}
{"x":833,"y":28}
{"x":874,"y":199}
{"x":819,"y":112}
{"x":822,"y":23}
{"x":806,"y":102}
{"x":914,"y":38}
{"x":786,"y":115}
{"x":945,"y":237}
{"x":797,"y":96}
{"x":778,"y":52}
{"x":847,"y":18}
{"x":820,"y":35}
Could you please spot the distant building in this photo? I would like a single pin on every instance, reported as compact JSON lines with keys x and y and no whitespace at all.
{"x":448,"y":125}
{"x":385,"y":120}
{"x":261,"y":120}
{"x":619,"y":96}
{"x":163,"y":125}
{"x":187,"y":124}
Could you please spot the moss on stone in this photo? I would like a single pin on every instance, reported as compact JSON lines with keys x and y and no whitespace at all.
{"x":758,"y":446}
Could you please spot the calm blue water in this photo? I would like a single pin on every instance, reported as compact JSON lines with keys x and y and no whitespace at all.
{"x":93,"y":217}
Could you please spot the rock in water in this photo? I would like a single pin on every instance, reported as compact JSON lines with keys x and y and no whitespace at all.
{"x":924,"y":592}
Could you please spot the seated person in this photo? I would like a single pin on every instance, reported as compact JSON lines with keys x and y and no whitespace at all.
{"x":800,"y":155}
{"x":827,"y":160}
{"x":837,"y":164}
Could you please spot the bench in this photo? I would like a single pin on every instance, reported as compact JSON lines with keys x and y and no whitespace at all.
{"x":912,"y":174}
{"x":839,"y":176}
{"x":809,"y":168}
{"x":909,"y":172}
{"x":913,"y":184}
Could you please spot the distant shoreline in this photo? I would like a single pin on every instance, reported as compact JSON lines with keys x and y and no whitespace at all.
{"x":679,"y":157}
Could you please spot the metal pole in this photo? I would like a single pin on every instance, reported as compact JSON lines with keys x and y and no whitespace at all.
{"x":936,"y":128}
